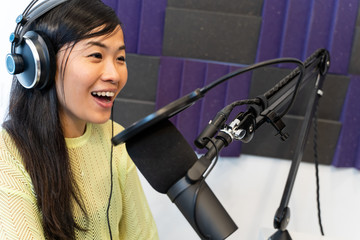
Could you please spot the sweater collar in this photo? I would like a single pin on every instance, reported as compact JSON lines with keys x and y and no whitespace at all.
{"x":79,"y":141}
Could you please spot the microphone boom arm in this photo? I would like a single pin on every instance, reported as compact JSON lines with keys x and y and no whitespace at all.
{"x":316,"y":67}
{"x":243,"y":126}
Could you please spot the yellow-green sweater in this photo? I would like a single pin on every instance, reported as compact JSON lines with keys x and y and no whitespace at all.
{"x":130,"y":216}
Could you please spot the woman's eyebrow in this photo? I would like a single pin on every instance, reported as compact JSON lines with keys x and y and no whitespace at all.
{"x":99,"y":44}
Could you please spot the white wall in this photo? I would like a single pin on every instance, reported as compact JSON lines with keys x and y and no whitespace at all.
{"x":249,"y":187}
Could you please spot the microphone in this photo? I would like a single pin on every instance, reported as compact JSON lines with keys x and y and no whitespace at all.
{"x":164,"y":157}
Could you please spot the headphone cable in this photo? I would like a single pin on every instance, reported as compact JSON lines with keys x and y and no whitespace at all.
{"x":111,"y":172}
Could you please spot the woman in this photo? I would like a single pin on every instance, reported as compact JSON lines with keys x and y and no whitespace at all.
{"x":60,"y":176}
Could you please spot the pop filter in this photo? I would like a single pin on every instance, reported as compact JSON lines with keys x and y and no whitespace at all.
{"x":165,"y":112}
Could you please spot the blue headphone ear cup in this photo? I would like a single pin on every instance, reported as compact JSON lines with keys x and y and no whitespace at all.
{"x":14,"y":63}
{"x":39,"y":63}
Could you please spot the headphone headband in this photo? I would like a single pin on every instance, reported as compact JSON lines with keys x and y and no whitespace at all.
{"x":30,"y":15}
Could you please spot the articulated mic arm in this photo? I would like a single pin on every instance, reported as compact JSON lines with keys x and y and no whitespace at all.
{"x":265,"y":109}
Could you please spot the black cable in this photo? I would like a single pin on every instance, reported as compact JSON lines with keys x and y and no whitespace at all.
{"x":298,"y":71}
{"x":291,"y":103}
{"x":111,"y":172}
{"x":214,"y":162}
{"x":196,"y":195}
{"x":222,"y":79}
{"x":293,"y":74}
{"x":255,"y":101}
{"x":316,"y":160}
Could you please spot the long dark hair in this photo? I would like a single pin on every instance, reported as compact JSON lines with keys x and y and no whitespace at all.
{"x":33,"y":119}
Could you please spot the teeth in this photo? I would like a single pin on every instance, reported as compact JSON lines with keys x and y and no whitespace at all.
{"x":103,"y":94}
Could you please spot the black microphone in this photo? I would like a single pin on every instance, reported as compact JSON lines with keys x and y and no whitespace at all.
{"x":164,"y":157}
{"x":213,"y":126}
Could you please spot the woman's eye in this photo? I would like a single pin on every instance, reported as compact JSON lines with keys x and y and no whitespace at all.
{"x":96,"y":55}
{"x":122,"y":59}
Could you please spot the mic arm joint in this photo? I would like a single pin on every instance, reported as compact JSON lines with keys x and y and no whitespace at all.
{"x":277,"y":123}
{"x":241,"y":128}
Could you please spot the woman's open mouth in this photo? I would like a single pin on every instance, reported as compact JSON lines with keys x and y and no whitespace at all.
{"x":103,"y":96}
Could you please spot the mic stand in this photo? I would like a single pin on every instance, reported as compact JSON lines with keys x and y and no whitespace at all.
{"x":242,"y":128}
{"x":244,"y":125}
{"x":282,"y":215}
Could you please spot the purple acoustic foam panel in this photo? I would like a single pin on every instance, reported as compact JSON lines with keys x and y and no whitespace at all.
{"x":348,"y":145}
{"x":319,"y":34}
{"x":152,"y":27}
{"x":169,"y":82}
{"x":295,"y":28}
{"x":193,"y":78}
{"x":274,"y":14}
{"x":129,"y":12}
{"x":342,"y":35}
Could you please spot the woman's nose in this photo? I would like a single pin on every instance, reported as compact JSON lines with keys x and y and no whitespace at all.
{"x":114,"y":72}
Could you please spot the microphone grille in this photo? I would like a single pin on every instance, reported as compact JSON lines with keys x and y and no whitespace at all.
{"x":161,"y":154}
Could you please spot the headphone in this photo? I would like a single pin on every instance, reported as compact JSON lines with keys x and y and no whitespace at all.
{"x":32,"y":58}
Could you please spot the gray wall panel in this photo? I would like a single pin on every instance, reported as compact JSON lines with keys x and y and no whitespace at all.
{"x":253,"y":7}
{"x":265,"y":143}
{"x":143,"y":77}
{"x":211,"y":35}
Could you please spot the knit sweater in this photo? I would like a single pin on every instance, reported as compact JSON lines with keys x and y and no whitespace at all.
{"x":130,"y":216}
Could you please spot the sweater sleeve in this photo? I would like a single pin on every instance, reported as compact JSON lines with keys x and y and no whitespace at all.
{"x":137,"y":221}
{"x":19,"y":215}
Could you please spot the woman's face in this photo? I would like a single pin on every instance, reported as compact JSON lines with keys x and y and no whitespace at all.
{"x":95,"y":73}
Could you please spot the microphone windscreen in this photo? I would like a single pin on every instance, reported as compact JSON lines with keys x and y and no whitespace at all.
{"x":161,"y":154}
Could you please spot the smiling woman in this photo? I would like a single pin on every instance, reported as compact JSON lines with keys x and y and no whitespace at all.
{"x":68,"y":61}
{"x":90,"y":75}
